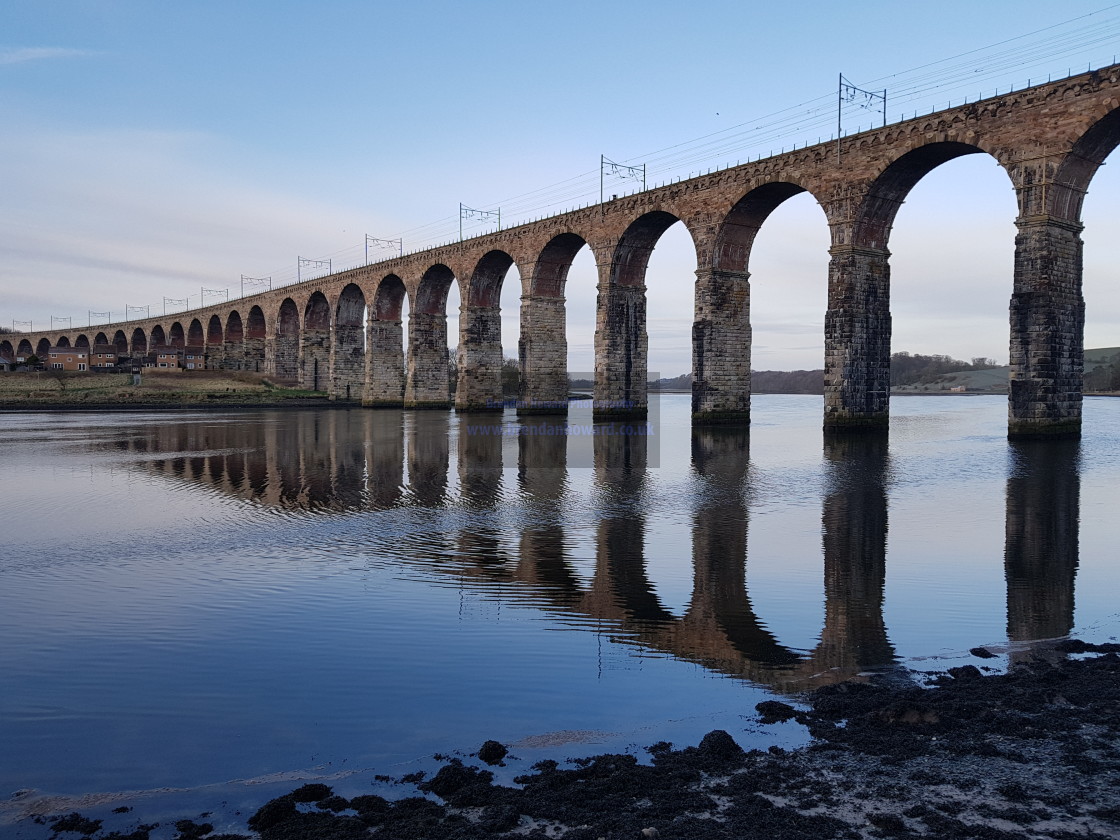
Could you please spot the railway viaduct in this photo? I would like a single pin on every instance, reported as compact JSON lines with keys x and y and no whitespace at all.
{"x":1050,"y":139}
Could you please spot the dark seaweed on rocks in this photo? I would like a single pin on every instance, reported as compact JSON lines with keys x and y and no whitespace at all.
{"x":1033,"y":753}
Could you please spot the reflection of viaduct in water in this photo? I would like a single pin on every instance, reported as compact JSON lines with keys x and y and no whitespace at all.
{"x":352,"y":461}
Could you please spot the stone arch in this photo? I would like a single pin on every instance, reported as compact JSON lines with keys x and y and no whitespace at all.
{"x":721,"y":331}
{"x":256,"y":331}
{"x":480,"y":335}
{"x":428,"y":379}
{"x":858,"y":319}
{"x":158,"y":338}
{"x":621,"y":341}
{"x":100,"y":340}
{"x":196,"y":336}
{"x":139,"y":345}
{"x":63,"y":341}
{"x":42,"y":349}
{"x":880,"y":203}
{"x":25,"y":349}
{"x":1076,"y":171}
{"x":120,"y":342}
{"x":542,"y":347}
{"x":82,"y":341}
{"x":176,"y":336}
{"x":233,"y":347}
{"x":385,"y":377}
{"x":347,"y":351}
{"x":7,"y":350}
{"x":315,"y":344}
{"x":286,"y":354}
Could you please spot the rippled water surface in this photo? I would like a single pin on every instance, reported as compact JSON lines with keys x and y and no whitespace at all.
{"x":191,"y":598}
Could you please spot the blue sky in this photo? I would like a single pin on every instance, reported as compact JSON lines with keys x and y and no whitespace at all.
{"x":154,"y":148}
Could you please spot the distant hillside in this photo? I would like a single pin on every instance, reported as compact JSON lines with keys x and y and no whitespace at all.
{"x":911,"y":373}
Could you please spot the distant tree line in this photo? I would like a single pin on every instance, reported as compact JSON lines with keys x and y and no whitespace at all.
{"x":1104,"y":377}
{"x":916,"y":369}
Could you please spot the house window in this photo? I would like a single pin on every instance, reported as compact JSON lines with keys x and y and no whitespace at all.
{"x":81,"y":366}
{"x":56,"y":365}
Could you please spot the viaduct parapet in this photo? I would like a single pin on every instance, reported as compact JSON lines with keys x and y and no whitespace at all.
{"x":1049,"y":139}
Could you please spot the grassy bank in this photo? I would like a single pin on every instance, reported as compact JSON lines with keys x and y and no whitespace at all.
{"x":59,"y":389}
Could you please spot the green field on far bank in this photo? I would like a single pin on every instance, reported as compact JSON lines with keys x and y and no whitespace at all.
{"x":212,"y":387}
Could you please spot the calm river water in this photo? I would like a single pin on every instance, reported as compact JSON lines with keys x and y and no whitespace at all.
{"x":190,"y":598}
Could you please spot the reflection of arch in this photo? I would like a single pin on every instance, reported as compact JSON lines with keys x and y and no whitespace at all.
{"x":177,"y":336}
{"x":428,"y":452}
{"x":385,"y":349}
{"x":721,"y":332}
{"x":542,"y":348}
{"x":139,"y":342}
{"x":1040,"y":561}
{"x":158,"y":339}
{"x":82,"y":341}
{"x":621,"y":342}
{"x":347,"y":351}
{"x":315,"y":343}
{"x":480,"y":336}
{"x":428,"y":378}
{"x":287,"y":341}
{"x":233,"y":348}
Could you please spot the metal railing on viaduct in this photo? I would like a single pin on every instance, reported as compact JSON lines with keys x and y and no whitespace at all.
{"x":1049,"y":139}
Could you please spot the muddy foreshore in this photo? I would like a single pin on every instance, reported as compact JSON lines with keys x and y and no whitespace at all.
{"x":1031,"y":753}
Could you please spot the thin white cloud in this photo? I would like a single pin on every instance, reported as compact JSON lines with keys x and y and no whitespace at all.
{"x":19,"y":55}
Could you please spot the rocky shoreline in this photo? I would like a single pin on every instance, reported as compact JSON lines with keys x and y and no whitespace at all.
{"x":1031,"y":753}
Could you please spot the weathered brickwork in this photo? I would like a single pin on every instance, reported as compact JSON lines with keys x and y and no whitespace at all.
{"x":429,"y":380}
{"x":1050,"y":140}
{"x":543,"y":353}
{"x":384,"y":365}
{"x":480,"y":359}
{"x":721,"y":347}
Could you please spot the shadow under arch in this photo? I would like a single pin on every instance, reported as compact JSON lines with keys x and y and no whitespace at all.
{"x":428,"y":383}
{"x":100,"y":340}
{"x":215,"y":343}
{"x":385,"y":379}
{"x":314,"y":356}
{"x":542,"y":346}
{"x":120,"y":343}
{"x":233,"y":348}
{"x":139,"y":344}
{"x":253,"y":342}
{"x":348,"y":347}
{"x":285,"y":352}
{"x":480,"y":336}
{"x":621,"y":339}
{"x":176,"y":336}
{"x":196,"y":336}
{"x":157,"y":338}
{"x":721,"y":331}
